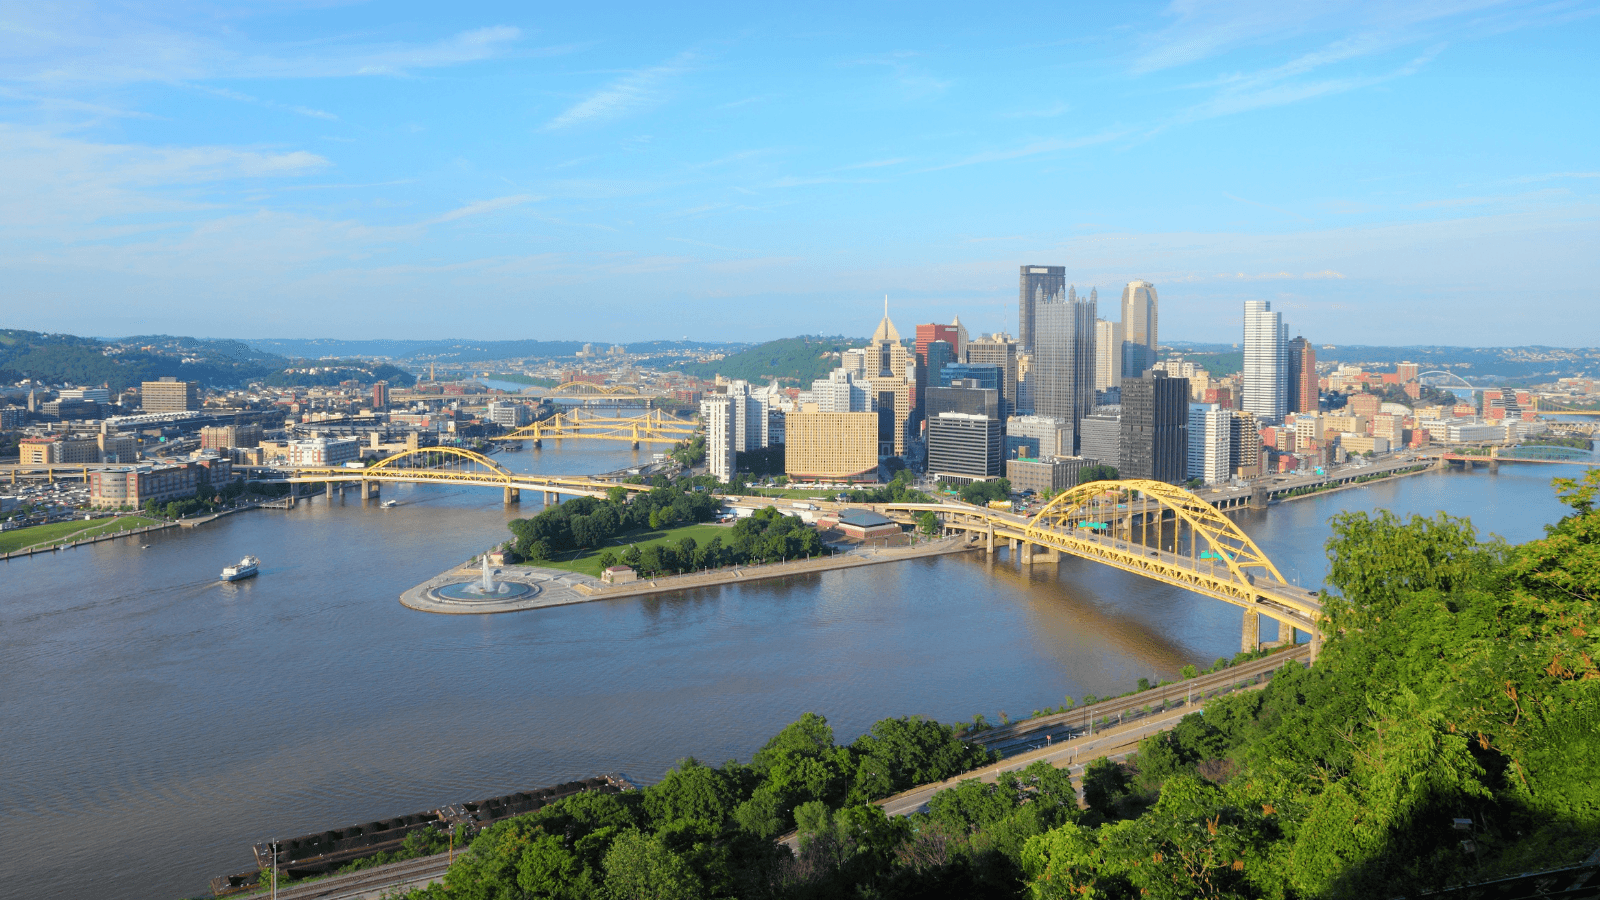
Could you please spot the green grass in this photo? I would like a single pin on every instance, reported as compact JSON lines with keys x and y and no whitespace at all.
{"x":588,"y":561}
{"x":793,"y":493}
{"x":63,"y":532}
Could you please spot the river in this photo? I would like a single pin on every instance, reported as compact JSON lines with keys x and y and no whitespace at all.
{"x":156,"y":722}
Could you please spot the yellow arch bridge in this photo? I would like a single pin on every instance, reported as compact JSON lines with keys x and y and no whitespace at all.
{"x":1552,"y":408}
{"x":590,"y":389}
{"x":446,"y":465}
{"x":653,"y":426}
{"x":1149,"y":528}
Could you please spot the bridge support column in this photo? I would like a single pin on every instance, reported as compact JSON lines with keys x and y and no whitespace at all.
{"x":330,"y":490}
{"x":1250,"y":639}
{"x":1027,"y":553}
{"x":989,"y":545}
{"x":513,"y":496}
{"x":366,"y":490}
{"x":1042,"y":554}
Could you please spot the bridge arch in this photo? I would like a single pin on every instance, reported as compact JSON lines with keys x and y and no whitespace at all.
{"x":459,"y":455}
{"x":1464,"y":383}
{"x":589,"y":387}
{"x":1084,"y":505}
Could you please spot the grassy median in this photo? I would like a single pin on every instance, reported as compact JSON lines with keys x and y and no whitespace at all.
{"x":587,"y":562}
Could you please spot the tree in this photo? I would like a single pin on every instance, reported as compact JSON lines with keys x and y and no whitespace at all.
{"x":640,"y":867}
{"x":1097,"y":473}
{"x":928,"y":523}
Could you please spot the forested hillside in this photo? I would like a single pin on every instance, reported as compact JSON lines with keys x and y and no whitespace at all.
{"x":794,"y":361}
{"x":1449,"y":733}
{"x":65,"y":358}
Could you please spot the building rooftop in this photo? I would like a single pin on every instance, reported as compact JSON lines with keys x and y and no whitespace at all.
{"x":863,"y":518}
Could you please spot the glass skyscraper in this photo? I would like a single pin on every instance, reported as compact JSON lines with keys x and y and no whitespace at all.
{"x":1064,"y":363}
{"x":1037,"y":284}
{"x":1266,"y":380}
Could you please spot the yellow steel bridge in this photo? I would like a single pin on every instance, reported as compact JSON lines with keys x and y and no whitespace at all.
{"x":452,"y":465}
{"x":1552,"y":408}
{"x":653,"y":426}
{"x":1149,"y":528}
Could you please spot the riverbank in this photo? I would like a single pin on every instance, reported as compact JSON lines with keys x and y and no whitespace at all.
{"x":563,"y":588}
{"x":1334,"y":489}
{"x":63,"y":535}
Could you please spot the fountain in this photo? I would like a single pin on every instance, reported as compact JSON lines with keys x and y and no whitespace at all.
{"x":485,"y":589}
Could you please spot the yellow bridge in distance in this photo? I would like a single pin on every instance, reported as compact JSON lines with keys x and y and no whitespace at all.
{"x":653,"y":426}
{"x":453,"y":466}
{"x":1149,"y":528}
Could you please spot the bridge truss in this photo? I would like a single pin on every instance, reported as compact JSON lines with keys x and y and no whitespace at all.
{"x":1550,"y":407}
{"x":454,"y":466}
{"x":589,"y":388}
{"x":1151,"y":529}
{"x":653,"y":426}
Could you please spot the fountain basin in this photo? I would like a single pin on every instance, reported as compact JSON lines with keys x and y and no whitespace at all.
{"x":473,"y":592}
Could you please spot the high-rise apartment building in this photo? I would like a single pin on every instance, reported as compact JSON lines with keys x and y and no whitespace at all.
{"x":998,"y":350}
{"x":1210,"y":443}
{"x":831,"y":446}
{"x":1406,"y":371}
{"x":964,"y":447}
{"x":1037,"y":284}
{"x":380,"y":395}
{"x":1301,"y":369}
{"x":1155,"y":428}
{"x":717,"y":412}
{"x":1244,"y":441}
{"x":169,"y":395}
{"x":1107,"y":354}
{"x":1139,"y":320}
{"x":1265,"y":360}
{"x":1063,"y":367}
{"x":841,"y":391}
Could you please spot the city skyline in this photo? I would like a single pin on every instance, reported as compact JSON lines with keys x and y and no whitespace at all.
{"x":480,"y":172}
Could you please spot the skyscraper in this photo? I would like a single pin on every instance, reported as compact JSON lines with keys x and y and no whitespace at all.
{"x":1265,"y":382}
{"x":929,"y":332}
{"x":1210,"y":443}
{"x":717,"y":411}
{"x":1107,"y":354}
{"x":1139,"y":315}
{"x":1302,"y":376}
{"x":1036,"y":285}
{"x":1155,"y":428}
{"x":1064,"y":363}
{"x":998,"y":350}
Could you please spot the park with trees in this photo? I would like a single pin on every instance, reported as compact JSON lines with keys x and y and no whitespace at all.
{"x":1446,"y":735}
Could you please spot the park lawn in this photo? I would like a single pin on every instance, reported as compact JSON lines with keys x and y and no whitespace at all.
{"x":798,"y":494}
{"x":62,"y":532}
{"x":587,"y":562}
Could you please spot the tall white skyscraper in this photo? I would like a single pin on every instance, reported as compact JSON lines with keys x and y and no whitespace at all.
{"x":1210,"y":443}
{"x":717,"y":411}
{"x":1266,"y":361}
{"x":1140,"y":313}
{"x":1107,"y":354}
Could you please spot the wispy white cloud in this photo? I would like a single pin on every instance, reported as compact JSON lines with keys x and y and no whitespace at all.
{"x":1049,"y":145}
{"x":480,"y":207}
{"x":227,"y":94}
{"x":631,"y":93}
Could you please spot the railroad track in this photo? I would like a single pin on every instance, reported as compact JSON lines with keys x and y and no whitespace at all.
{"x":368,"y":883}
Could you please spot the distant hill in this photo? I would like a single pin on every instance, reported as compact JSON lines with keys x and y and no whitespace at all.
{"x":455,"y":350}
{"x":122,"y":363}
{"x":794,"y":361}
{"x":1477,"y":364}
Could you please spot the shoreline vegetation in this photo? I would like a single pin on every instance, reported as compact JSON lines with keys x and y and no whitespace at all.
{"x":39,"y":537}
{"x":1444,"y":737}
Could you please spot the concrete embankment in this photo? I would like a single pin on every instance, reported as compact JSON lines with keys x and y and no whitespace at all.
{"x":1388,"y":476}
{"x":561,"y":588}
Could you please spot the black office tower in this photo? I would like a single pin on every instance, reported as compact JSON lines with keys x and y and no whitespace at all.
{"x":1155,"y":428}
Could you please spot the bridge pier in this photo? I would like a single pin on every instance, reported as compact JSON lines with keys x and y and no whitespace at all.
{"x":989,"y":544}
{"x":1027,"y":552}
{"x":513,"y":495}
{"x":366,"y":489}
{"x":1250,"y":639}
{"x":330,"y":491}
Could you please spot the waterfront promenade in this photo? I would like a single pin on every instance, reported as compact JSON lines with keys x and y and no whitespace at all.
{"x":558,"y":587}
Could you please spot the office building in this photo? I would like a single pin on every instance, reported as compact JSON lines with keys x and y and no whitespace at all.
{"x":324,"y":452}
{"x":717,"y":412}
{"x":842,"y":391}
{"x":1301,"y":374}
{"x":91,"y":395}
{"x":1063,"y":363}
{"x":219,"y":437}
{"x":1036,"y":284}
{"x":937,"y":355}
{"x":1100,"y":436}
{"x":963,"y":447}
{"x":891,"y":380}
{"x":1406,"y":372}
{"x":169,"y":395}
{"x":380,"y":396}
{"x":964,"y":396}
{"x":831,"y":446}
{"x":119,"y":447}
{"x":1045,"y":435}
{"x":41,"y":451}
{"x":11,"y":417}
{"x":1265,"y":355}
{"x":509,"y":415}
{"x":961,"y":338}
{"x":1107,"y":354}
{"x":1244,"y":444}
{"x":930,"y":332}
{"x":134,"y":485}
{"x":1155,"y":428}
{"x":1210,"y":443}
{"x":1000,"y":351}
{"x":1041,"y":475}
{"x":1139,"y":320}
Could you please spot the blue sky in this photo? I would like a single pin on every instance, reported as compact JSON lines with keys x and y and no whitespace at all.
{"x":1400,"y":172}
